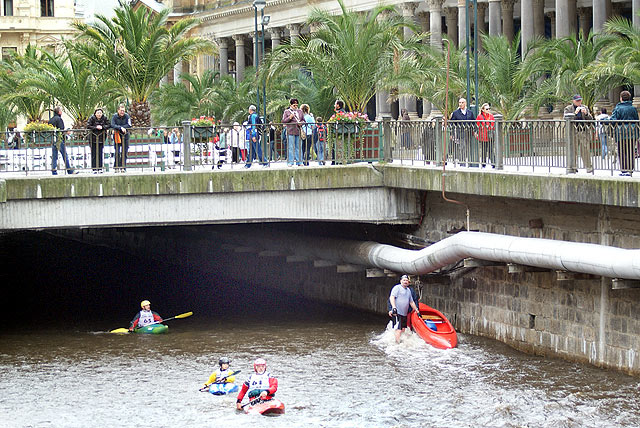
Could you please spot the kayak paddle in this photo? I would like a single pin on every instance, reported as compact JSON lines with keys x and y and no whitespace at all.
{"x":206,"y":388}
{"x":126,"y":330}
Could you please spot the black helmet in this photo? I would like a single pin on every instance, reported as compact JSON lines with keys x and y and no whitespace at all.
{"x":224,"y":360}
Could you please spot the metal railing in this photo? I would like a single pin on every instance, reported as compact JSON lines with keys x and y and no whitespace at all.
{"x":557,"y":146}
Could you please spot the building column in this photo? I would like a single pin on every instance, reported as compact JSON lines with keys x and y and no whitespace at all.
{"x":482,"y":29}
{"x":526,"y":25}
{"x":495,"y":21}
{"x":435,"y":22}
{"x":462,"y":23}
{"x":239,"y":39}
{"x":294,"y":32}
{"x":585,"y":15}
{"x":552,"y":17}
{"x":599,"y":15}
{"x":538,"y":18}
{"x":276,"y":36}
{"x":565,"y":18}
{"x":451,"y":17}
{"x":223,"y":52}
{"x":408,"y":101}
{"x":177,"y":69}
{"x":507,"y":18}
{"x":423,"y":18}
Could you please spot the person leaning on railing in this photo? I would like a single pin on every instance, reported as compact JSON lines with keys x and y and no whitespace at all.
{"x":97,"y":125}
{"x":584,"y":134}
{"x":626,"y":134}
{"x":486,"y":124}
{"x":121,"y":122}
{"x":59,"y":138}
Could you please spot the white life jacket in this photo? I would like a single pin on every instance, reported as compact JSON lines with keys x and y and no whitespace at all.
{"x":146,"y":318}
{"x":259,"y":381}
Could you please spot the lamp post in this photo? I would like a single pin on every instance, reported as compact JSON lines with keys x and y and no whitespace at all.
{"x":475,"y":52}
{"x":258,"y":5}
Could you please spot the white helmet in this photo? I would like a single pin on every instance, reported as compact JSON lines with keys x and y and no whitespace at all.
{"x":259,"y":362}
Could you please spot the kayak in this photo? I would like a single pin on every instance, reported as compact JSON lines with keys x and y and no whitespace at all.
{"x":272,"y":407}
{"x":434,"y":328}
{"x":152,"y":329}
{"x":222,"y":388}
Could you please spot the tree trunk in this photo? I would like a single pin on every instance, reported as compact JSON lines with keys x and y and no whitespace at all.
{"x":140,"y":114}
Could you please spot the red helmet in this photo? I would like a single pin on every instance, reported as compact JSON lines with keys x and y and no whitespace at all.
{"x":259,"y":362}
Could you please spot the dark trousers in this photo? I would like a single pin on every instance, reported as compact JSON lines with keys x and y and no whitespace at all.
{"x":63,"y":152}
{"x":306,"y":149}
{"x":626,"y":153}
{"x":121,"y":150}
{"x":97,"y":150}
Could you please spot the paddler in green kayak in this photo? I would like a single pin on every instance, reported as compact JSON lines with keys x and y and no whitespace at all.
{"x":145,"y":317}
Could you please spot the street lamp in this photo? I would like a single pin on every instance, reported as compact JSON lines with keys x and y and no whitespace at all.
{"x":258,"y":5}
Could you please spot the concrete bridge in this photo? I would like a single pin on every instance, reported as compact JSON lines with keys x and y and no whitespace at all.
{"x":576,"y":315}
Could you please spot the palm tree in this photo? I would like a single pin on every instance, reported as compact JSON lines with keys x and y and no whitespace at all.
{"x":565,"y":62}
{"x":431,"y":76}
{"x":621,"y":57}
{"x":8,"y":115}
{"x":176,"y":102}
{"x":137,"y":48}
{"x":30,"y":103}
{"x":72,"y":82}
{"x":499,"y":71}
{"x":352,"y":51}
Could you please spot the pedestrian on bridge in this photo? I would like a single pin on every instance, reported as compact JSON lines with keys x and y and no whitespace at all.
{"x":59,"y":138}
{"x":626,"y":133}
{"x":121,"y":123}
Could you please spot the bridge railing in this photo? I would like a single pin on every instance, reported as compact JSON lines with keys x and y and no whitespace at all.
{"x":566,"y":145}
{"x":559,"y":146}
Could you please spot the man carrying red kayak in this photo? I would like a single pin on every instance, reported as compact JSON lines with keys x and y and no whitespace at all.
{"x":260,"y":384}
{"x":401,"y":299}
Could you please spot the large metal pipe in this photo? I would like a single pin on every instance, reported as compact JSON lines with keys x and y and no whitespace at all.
{"x":544,"y":253}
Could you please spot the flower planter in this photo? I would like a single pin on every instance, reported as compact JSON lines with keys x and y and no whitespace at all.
{"x":201,"y":132}
{"x":40,"y":138}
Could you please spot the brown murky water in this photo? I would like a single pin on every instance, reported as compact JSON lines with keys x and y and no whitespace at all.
{"x":341,"y":371}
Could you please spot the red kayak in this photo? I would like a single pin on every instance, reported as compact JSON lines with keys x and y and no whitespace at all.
{"x":266,"y":407}
{"x":434,"y":328}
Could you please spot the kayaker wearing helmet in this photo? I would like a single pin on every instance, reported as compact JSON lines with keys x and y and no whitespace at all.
{"x":222,"y":375}
{"x":145,"y":317}
{"x":401,"y":299}
{"x":260,"y":384}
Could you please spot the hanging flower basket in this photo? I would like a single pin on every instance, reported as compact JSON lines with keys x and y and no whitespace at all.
{"x":202,"y":127}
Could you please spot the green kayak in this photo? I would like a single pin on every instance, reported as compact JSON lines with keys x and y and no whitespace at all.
{"x":152,"y":329}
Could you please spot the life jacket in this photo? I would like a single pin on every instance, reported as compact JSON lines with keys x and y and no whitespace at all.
{"x":146,"y":318}
{"x":220,"y":374}
{"x":258,"y":381}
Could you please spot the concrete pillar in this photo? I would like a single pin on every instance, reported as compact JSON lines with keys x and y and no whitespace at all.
{"x":451,"y":17}
{"x":585,"y":16}
{"x":495,"y":19}
{"x":565,"y":18}
{"x":462,"y":23}
{"x":383,"y":108}
{"x":552,"y":17}
{"x":239,"y":40}
{"x":538,"y":18}
{"x":507,"y":18}
{"x":177,"y":69}
{"x":424,"y":20}
{"x":223,"y":50}
{"x":406,"y":101}
{"x":526,"y":25}
{"x":599,"y":15}
{"x":276,"y":36}
{"x":294,"y":32}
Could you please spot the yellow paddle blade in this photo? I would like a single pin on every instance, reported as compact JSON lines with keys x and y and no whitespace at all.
{"x":186,"y":314}
{"x":119,"y":330}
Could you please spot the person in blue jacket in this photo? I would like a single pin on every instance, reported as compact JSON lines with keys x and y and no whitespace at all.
{"x":465,"y":146}
{"x":626,"y":133}
{"x":121,"y":123}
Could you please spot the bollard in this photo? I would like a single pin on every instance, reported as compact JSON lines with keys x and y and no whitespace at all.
{"x":569,"y":133}
{"x":186,"y":145}
{"x":386,"y":130}
{"x":498,"y":138}
{"x":439,"y":144}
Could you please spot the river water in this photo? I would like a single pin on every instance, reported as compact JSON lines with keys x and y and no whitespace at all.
{"x":340,"y":371}
{"x":59,"y":366}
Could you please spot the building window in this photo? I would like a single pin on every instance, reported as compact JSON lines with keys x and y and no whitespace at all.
{"x":46,"y":7}
{"x":8,"y":53}
{"x":8,"y":8}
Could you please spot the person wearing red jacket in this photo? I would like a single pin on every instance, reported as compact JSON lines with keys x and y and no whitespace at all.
{"x":145,"y":317}
{"x":260,"y":384}
{"x":486,"y":125}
